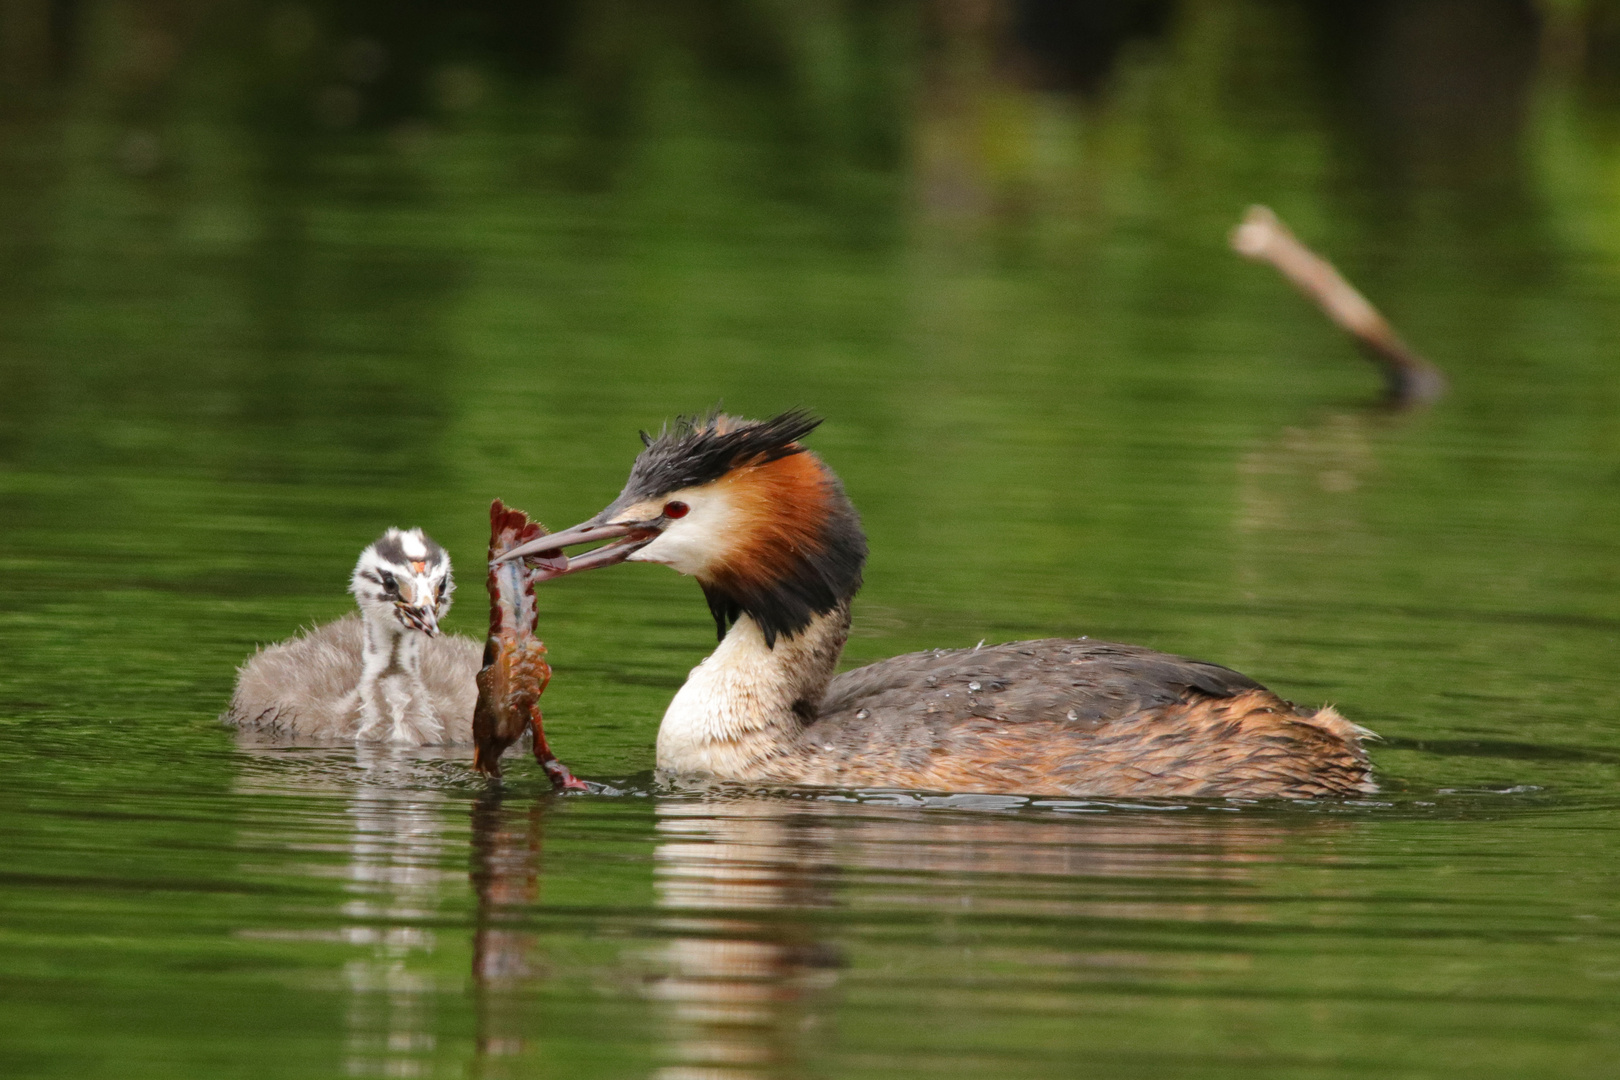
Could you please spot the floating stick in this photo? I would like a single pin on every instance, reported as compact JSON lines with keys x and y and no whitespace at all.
{"x":1411,"y":379}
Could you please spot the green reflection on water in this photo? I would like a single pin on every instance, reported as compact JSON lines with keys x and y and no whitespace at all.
{"x":236,"y":344}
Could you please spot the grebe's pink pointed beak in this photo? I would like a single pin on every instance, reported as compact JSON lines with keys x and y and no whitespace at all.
{"x":546,"y":556}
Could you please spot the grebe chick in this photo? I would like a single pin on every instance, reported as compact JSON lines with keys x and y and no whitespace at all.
{"x":384,"y":674}
{"x":768,"y":532}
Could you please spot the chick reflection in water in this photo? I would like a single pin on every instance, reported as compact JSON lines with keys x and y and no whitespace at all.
{"x":371,"y":823}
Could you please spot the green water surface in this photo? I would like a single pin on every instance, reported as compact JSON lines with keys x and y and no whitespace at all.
{"x":247,"y":322}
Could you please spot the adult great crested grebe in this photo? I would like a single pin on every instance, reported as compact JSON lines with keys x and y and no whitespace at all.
{"x":768,"y":532}
{"x":384,"y":674}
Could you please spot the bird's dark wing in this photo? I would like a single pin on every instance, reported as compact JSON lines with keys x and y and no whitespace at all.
{"x":1087,"y":683}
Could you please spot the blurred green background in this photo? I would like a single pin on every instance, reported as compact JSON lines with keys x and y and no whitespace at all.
{"x":274,"y":277}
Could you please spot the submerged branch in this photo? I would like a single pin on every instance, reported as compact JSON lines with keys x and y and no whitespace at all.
{"x":1411,"y":379}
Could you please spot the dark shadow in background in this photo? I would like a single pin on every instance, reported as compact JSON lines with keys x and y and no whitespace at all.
{"x":1433,"y":90}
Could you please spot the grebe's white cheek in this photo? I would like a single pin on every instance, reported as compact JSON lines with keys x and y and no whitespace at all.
{"x":694,"y":543}
{"x":676,"y":549}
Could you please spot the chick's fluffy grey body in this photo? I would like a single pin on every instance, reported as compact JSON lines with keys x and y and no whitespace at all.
{"x":304,"y":688}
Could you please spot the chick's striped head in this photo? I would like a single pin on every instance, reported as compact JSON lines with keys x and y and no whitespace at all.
{"x":404,"y":576}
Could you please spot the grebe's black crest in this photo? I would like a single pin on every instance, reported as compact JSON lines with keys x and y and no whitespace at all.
{"x":699,"y":450}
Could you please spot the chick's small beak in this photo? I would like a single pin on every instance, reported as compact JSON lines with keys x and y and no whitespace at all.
{"x":545,"y":553}
{"x":423,"y":618}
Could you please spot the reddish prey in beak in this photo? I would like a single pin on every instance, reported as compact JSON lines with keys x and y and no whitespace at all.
{"x":515,"y":671}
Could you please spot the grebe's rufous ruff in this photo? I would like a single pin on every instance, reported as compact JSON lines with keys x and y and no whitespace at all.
{"x":765,"y":527}
{"x":384,"y":674}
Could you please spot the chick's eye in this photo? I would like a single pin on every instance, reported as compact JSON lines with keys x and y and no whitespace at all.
{"x":388,"y":583}
{"x":676,"y":509}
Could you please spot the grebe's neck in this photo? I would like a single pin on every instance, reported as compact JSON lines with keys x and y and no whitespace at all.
{"x":392,"y":700}
{"x":748,"y":702}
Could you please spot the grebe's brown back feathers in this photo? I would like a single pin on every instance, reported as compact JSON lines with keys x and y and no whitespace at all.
{"x":1067,"y":717}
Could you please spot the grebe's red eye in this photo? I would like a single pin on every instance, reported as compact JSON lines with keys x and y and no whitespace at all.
{"x":676,"y":509}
